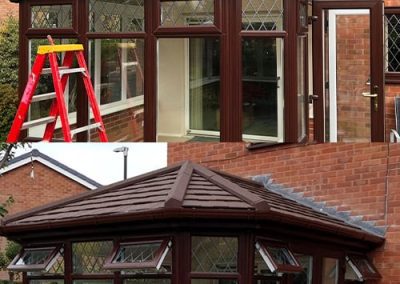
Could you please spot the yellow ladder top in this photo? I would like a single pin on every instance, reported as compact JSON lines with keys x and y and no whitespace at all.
{"x":45,"y":49}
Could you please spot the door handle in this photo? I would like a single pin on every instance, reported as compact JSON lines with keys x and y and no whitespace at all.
{"x":369,"y":95}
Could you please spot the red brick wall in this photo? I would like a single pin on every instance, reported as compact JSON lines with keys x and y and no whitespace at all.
{"x":46,"y":186}
{"x":351,"y":177}
{"x":8,"y":8}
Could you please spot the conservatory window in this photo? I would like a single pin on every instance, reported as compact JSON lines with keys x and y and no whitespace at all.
{"x":139,"y":255}
{"x":36,"y":259}
{"x":359,"y":268}
{"x":278,"y":258}
{"x":51,"y":16}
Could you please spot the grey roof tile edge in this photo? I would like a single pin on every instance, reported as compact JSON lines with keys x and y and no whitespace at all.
{"x":344,"y":216}
{"x":38,"y":154}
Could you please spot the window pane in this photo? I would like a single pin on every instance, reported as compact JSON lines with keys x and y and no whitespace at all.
{"x":330,"y":271}
{"x":392,"y":24}
{"x":147,"y":281}
{"x":214,"y":254}
{"x":89,"y":257}
{"x":263,"y":89}
{"x":305,"y":276}
{"x":34,"y":256}
{"x":116,"y":16}
{"x":262,"y":15}
{"x":137,"y":253}
{"x":92,"y":281}
{"x":117,"y":69}
{"x":187,"y":13}
{"x":301,"y":88}
{"x":52,"y":281}
{"x":51,"y":17}
{"x":188,"y":89}
{"x":213,"y":281}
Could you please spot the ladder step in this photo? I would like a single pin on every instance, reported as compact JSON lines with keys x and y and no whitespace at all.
{"x":46,"y":71}
{"x":43,"y":97}
{"x":85,"y":128}
{"x":71,"y":71}
{"x":38,"y":122}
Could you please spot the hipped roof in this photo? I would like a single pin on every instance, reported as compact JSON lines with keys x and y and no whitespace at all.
{"x":180,"y":191}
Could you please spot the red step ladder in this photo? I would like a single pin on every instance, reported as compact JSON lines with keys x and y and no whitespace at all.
{"x":60,"y":75}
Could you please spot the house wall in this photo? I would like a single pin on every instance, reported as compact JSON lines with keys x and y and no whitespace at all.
{"x":7,"y":8}
{"x":362,"y":179}
{"x":46,"y":186}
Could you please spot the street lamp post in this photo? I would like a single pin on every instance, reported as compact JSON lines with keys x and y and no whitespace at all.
{"x":124,"y":150}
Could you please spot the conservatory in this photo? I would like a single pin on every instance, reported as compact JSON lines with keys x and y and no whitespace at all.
{"x":215,"y":70}
{"x":188,"y":224}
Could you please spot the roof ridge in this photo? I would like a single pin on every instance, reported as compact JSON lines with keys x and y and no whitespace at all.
{"x":178,"y":191}
{"x":321,"y":207}
{"x":84,"y":195}
{"x":257,"y":202}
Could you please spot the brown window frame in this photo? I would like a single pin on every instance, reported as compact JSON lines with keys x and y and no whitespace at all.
{"x":35,"y":267}
{"x":262,"y":245}
{"x":165,"y":247}
{"x":391,"y":77}
{"x":72,"y":31}
{"x":354,"y":261}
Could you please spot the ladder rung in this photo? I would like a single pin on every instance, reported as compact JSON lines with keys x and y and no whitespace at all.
{"x":43,"y":97}
{"x":71,"y":71}
{"x":46,"y":71}
{"x":85,"y":128}
{"x":38,"y":122}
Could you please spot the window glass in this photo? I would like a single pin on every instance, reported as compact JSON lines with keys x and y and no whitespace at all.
{"x":187,"y":13}
{"x":38,"y":260}
{"x":330,"y":271}
{"x":262,"y":15}
{"x":213,"y":281}
{"x":392,"y":29}
{"x":51,"y":16}
{"x":301,"y":88}
{"x":189,"y":109}
{"x":89,"y":257}
{"x":214,"y":254}
{"x":147,"y":281}
{"x":263,"y":89}
{"x":117,"y":68}
{"x":48,"y":281}
{"x":93,"y":281}
{"x":305,"y":276}
{"x":116,"y":16}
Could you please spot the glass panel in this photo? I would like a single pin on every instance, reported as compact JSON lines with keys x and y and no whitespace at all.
{"x":93,"y":281}
{"x":213,"y":281}
{"x":51,"y":17}
{"x":348,"y":92}
{"x":34,"y":256}
{"x":188,"y":108}
{"x":281,"y":256}
{"x":392,"y":29}
{"x":330,"y":271}
{"x":187,"y":13}
{"x":147,"y":281}
{"x":350,"y":273}
{"x":305,"y":276}
{"x":301,"y":87}
{"x":267,"y":282}
{"x":57,"y":267}
{"x":262,"y":15}
{"x":303,"y":15}
{"x":49,"y":281}
{"x":89,"y":257}
{"x":263,"y":89}
{"x":137,"y":253}
{"x":116,"y":16}
{"x":260,"y":267}
{"x":214,"y":254}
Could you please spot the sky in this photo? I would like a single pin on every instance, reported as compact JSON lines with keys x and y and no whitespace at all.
{"x":99,"y":162}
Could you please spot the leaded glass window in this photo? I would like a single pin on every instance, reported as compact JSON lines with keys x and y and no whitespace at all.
{"x":187,"y":13}
{"x":262,"y":15}
{"x":51,"y":16}
{"x":35,"y":259}
{"x":214,"y":254}
{"x":116,"y":16}
{"x":392,"y":23}
{"x":89,"y":257}
{"x":140,"y":255}
{"x":277,"y":258}
{"x":360,"y":268}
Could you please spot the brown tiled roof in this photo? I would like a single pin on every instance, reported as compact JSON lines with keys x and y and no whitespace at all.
{"x":185,"y":188}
